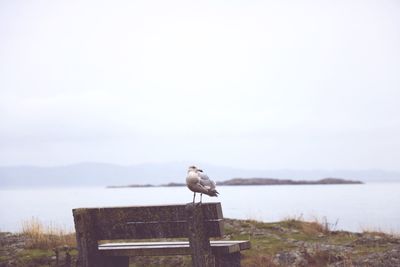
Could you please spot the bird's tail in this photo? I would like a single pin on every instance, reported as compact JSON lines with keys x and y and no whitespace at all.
{"x":213,"y":193}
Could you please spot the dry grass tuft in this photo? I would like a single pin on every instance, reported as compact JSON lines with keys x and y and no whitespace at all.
{"x":43,"y":236}
{"x":259,"y":260}
{"x":313,"y":227}
{"x":316,"y":226}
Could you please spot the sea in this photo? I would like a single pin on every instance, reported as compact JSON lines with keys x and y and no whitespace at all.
{"x":351,"y":207}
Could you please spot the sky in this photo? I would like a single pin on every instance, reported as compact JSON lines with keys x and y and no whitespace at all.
{"x":250,"y":84}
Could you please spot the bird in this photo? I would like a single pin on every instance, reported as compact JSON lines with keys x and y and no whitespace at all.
{"x":198,"y":182}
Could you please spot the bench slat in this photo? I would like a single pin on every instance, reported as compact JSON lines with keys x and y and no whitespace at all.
{"x":144,"y":222}
{"x":169,"y":248}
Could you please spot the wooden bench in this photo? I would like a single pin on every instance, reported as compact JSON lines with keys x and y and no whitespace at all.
{"x":195,"y":222}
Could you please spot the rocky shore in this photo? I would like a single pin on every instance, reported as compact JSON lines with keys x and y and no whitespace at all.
{"x":298,"y":243}
{"x":286,"y":243}
{"x":16,"y":250}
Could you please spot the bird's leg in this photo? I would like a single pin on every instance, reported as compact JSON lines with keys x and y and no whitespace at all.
{"x":198,"y":204}
{"x":194,"y":196}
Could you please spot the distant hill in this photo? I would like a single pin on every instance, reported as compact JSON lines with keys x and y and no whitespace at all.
{"x":102,"y":174}
{"x":254,"y":181}
{"x":271,"y":181}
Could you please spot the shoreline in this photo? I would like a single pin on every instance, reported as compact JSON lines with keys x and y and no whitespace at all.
{"x":253,"y":181}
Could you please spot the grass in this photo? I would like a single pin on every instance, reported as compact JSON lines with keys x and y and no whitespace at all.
{"x":43,"y":236}
{"x":39,"y":256}
{"x":289,"y":235}
{"x":315,"y":226}
{"x":313,"y":240}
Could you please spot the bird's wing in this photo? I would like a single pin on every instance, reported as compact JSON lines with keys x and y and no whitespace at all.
{"x":203,"y":176}
{"x":205,"y":181}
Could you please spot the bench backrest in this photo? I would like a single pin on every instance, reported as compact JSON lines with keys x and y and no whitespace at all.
{"x":144,"y":222}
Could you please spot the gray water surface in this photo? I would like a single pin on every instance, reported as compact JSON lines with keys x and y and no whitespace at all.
{"x":374,"y":206}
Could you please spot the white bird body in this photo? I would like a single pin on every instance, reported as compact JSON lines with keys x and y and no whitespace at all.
{"x":199,"y":182}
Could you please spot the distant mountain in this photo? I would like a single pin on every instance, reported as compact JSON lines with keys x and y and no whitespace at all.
{"x":255,"y":181}
{"x":90,"y":174}
{"x":102,"y":174}
{"x":271,"y":181}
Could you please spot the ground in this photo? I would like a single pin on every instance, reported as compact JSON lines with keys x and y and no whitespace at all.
{"x":286,"y":243}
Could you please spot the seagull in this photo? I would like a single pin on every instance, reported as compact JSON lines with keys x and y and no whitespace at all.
{"x":198,"y":182}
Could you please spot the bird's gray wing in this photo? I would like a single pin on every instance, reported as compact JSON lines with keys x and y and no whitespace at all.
{"x":206,"y":181}
{"x":199,"y":188}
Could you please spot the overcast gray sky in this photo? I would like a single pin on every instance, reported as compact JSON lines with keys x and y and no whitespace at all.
{"x":252,"y":84}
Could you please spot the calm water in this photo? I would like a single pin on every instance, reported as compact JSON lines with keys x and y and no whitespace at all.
{"x":374,"y":206}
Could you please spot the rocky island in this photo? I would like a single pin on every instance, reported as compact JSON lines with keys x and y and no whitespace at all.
{"x":272,"y":181}
{"x":257,"y":181}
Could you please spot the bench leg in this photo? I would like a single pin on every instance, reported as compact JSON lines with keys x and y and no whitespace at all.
{"x":228,"y":260}
{"x":116,"y":261}
{"x":198,"y":239}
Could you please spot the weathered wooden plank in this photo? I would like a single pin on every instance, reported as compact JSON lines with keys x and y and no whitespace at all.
{"x":143,"y":222}
{"x":86,"y":237}
{"x":153,"y":213}
{"x":198,"y":237}
{"x":243,"y":244}
{"x":147,"y":250}
{"x":169,"y":248}
{"x":161,"y":229}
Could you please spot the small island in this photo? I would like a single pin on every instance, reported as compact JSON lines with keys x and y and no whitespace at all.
{"x":257,"y":181}
{"x":272,"y":181}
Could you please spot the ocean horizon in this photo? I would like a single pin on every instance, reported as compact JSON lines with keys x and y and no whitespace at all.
{"x":351,"y":207}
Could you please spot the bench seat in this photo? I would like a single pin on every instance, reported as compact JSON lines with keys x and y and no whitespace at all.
{"x":169,"y":248}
